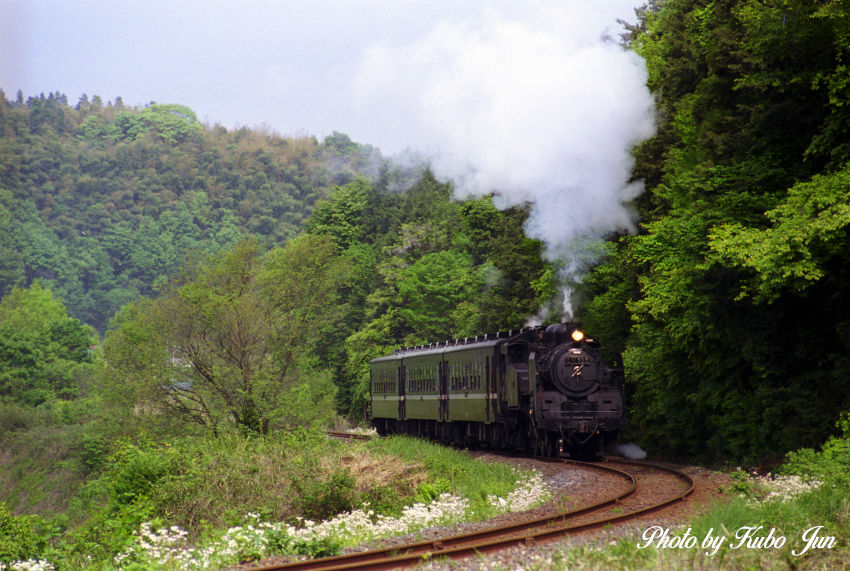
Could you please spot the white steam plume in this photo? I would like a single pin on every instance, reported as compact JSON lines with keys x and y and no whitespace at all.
{"x":631,"y":451}
{"x":541,"y":107}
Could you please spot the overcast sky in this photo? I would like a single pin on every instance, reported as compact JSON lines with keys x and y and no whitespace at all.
{"x":287,"y":64}
{"x":534,"y":99}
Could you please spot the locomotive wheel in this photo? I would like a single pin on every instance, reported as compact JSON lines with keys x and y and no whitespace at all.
{"x":590,"y":450}
{"x":380,"y":426}
{"x":610,"y":440}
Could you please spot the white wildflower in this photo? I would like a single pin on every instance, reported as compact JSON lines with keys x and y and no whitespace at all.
{"x":28,"y":565}
{"x":530,"y":493}
{"x":781,"y":488}
{"x":167,"y":547}
{"x":359,"y":430}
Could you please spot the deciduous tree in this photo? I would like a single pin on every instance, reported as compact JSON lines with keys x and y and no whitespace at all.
{"x":223,"y":346}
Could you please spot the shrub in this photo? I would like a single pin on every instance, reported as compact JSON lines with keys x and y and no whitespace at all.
{"x":92,"y":451}
{"x":430,"y":491}
{"x":321,"y":499}
{"x":136,"y":469}
{"x":831,"y":464}
{"x":21,"y":537}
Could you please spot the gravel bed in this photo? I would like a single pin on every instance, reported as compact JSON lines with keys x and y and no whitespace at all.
{"x":571,"y":487}
{"x":708,"y":487}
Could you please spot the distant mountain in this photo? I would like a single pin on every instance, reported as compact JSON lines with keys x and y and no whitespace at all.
{"x":104,"y":201}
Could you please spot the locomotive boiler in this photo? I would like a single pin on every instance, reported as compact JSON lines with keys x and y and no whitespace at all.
{"x":543,"y":389}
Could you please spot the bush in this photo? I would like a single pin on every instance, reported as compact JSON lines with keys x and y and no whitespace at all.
{"x":452,"y":470}
{"x":14,"y":416}
{"x":427,"y":492}
{"x":383,"y":500}
{"x":108,"y":531}
{"x":119,"y":500}
{"x":136,"y":470}
{"x":92,"y":451}
{"x":830,"y":465}
{"x":325,"y":498}
{"x":21,"y":537}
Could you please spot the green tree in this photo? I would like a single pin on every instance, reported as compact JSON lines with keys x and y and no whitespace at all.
{"x":43,"y":351}
{"x":12,"y":266}
{"x":223,"y":347}
{"x":341,"y":216}
{"x":806,"y":241}
{"x":438,"y":295}
{"x":101,"y":202}
{"x":729,"y":304}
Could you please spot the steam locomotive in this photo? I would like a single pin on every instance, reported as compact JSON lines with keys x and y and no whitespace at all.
{"x":543,"y":390}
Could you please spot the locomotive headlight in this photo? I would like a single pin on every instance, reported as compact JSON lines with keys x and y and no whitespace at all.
{"x":577,"y":335}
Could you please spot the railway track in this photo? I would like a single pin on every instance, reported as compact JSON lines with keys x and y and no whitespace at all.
{"x":347,"y":435}
{"x":628,"y":503}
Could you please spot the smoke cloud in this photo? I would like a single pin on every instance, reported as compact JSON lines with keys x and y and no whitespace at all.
{"x":540,"y":107}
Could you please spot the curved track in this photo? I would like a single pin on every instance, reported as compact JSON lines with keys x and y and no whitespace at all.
{"x":628,"y":503}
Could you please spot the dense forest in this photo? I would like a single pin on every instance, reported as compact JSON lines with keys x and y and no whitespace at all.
{"x":171,"y":286}
{"x":103,"y":202}
{"x":731,"y":304}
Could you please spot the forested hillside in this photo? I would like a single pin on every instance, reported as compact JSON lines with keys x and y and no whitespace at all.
{"x":241,"y":283}
{"x":731,"y":305}
{"x":103,"y":202}
{"x":424,"y":267}
{"x":184,"y":307}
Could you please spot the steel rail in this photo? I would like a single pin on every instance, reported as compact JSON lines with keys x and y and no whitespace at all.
{"x":541,"y":535}
{"x":347,"y":435}
{"x":410,"y":554}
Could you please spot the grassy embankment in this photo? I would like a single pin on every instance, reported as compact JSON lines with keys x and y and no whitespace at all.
{"x":195,"y":502}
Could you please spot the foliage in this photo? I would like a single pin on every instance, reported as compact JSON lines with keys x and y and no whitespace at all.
{"x":321,"y":499}
{"x":51,"y":449}
{"x":221,"y":347}
{"x":191,"y":489}
{"x":425,"y":267}
{"x":44,"y":353}
{"x":788,"y":512}
{"x":302,"y":482}
{"x":806,"y":240}
{"x":729,"y":305}
{"x":103,"y":202}
{"x":21,"y":537}
{"x":831,"y":464}
{"x":455,"y":471}
{"x":200,"y":482}
{"x":106,"y":203}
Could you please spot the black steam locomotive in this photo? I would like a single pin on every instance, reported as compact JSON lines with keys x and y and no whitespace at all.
{"x":542,"y":389}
